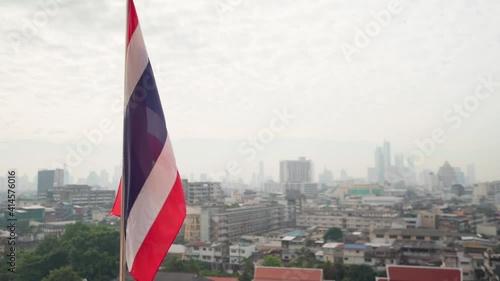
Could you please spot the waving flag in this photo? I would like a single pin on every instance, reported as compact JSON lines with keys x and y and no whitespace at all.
{"x":154,"y":206}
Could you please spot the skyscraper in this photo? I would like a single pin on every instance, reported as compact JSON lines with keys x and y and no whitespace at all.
{"x":379,"y":164}
{"x":387,"y":155}
{"x":48,"y":179}
{"x":66,"y":175}
{"x":326,"y":177}
{"x":471,"y":174}
{"x":262,"y":176}
{"x":399,"y":160}
{"x":296,"y":170}
{"x":446,"y":175}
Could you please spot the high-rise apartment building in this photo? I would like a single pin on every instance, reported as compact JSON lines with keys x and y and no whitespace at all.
{"x":200,"y":193}
{"x":379,"y":164}
{"x":387,"y":155}
{"x":471,"y":174}
{"x":48,"y":179}
{"x":296,"y":170}
{"x":446,"y":175}
{"x":228,"y":225}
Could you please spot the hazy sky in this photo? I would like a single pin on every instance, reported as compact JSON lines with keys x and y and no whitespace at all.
{"x":223,"y":68}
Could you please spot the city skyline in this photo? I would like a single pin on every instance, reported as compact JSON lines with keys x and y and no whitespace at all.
{"x":406,"y":85}
{"x":108,"y":177}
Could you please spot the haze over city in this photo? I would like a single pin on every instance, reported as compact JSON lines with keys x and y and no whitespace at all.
{"x":221,"y":76}
{"x":238,"y":140}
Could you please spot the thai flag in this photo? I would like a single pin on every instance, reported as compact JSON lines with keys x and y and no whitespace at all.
{"x":154,"y":206}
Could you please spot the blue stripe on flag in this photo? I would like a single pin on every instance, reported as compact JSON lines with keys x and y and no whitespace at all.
{"x":145,"y":135}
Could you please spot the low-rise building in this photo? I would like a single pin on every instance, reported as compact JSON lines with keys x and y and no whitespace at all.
{"x":348,"y":219}
{"x":240,"y":252}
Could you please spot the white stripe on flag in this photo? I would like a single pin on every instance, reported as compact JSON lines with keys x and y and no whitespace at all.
{"x":148,"y":204}
{"x":137,"y":60}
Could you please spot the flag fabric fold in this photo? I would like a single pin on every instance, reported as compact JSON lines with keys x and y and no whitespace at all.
{"x":154,"y":206}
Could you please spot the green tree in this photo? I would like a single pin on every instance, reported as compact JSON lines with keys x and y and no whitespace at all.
{"x":5,"y":274}
{"x":334,"y":271}
{"x":175,"y":264}
{"x":62,"y":274}
{"x":304,"y":258}
{"x":361,"y":272}
{"x":93,"y":251}
{"x":247,"y":271}
{"x":497,"y":249}
{"x":30,"y":267}
{"x":333,"y":234}
{"x":270,"y":260}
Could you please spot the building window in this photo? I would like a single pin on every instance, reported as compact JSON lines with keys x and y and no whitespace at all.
{"x":346,"y":259}
{"x":435,"y":238}
{"x":393,"y":236}
{"x":420,"y":237}
{"x":196,"y":248}
{"x":204,"y":249}
{"x":406,"y":237}
{"x":380,"y":236}
{"x":368,"y":260}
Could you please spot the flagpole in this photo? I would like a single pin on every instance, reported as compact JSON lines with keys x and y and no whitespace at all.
{"x":123,"y":264}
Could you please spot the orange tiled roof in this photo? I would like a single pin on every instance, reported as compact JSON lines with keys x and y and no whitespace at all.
{"x":287,"y":274}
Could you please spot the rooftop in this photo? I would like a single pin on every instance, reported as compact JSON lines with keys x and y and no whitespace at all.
{"x":287,"y":274}
{"x":355,"y":246}
{"x":415,"y":232}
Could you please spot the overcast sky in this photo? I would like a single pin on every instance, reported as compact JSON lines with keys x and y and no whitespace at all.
{"x":223,"y":68}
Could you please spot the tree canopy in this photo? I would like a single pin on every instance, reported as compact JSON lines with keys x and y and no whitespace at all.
{"x":333,"y":234}
{"x":270,"y":260}
{"x":90,"y":251}
{"x":62,"y":274}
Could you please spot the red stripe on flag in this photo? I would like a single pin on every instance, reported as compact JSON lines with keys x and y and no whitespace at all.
{"x":117,"y":206}
{"x":133,"y":20}
{"x":161,"y":235}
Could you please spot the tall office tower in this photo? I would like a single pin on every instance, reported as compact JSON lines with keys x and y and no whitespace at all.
{"x":93,"y":179}
{"x":48,"y":179}
{"x":446,"y":175}
{"x":66,"y":175}
{"x":104,"y":178}
{"x":326,"y":177}
{"x":343,"y":175}
{"x":296,"y":170}
{"x":387,"y":155}
{"x":460,"y":175}
{"x":471,"y":174}
{"x":379,"y":164}
{"x":262,"y":176}
{"x":371,"y":175}
{"x":399,"y":160}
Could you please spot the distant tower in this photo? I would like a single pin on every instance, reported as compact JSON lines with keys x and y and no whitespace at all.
{"x":66,"y":175}
{"x":399,"y":160}
{"x":379,"y":164}
{"x":343,"y":175}
{"x":446,"y":175}
{"x":262,"y":176}
{"x":471,"y":174}
{"x":387,"y":155}
{"x":296,"y":170}
{"x":48,"y":179}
